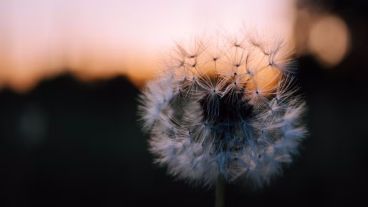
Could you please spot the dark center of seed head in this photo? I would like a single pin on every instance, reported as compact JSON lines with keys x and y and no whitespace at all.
{"x":231,"y":108}
{"x":226,"y":115}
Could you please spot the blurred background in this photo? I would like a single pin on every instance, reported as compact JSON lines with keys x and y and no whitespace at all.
{"x":70,"y":75}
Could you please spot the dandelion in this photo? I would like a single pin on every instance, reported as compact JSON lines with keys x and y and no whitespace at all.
{"x":225,"y":115}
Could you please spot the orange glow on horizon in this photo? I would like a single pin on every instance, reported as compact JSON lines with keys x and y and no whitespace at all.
{"x":100,"y":39}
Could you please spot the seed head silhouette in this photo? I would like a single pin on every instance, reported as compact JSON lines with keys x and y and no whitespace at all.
{"x":231,"y":111}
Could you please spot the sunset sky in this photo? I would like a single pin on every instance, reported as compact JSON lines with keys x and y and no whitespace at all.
{"x":102,"y":38}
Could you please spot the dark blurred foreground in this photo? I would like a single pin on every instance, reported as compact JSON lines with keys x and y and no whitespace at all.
{"x":71,"y":143}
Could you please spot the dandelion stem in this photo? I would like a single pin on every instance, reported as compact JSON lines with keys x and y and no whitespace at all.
{"x":220,"y":192}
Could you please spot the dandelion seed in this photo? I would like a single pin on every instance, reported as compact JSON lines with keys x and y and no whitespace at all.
{"x":240,"y":121}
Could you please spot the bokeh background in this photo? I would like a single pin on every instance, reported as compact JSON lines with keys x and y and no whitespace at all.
{"x":70,"y":75}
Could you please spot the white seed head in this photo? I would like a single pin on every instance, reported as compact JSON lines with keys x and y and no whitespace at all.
{"x":235,"y":114}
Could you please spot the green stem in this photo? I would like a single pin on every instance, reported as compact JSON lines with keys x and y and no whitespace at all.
{"x":220,"y":192}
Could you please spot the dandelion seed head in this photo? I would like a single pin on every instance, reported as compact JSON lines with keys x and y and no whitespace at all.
{"x":230,"y":111}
